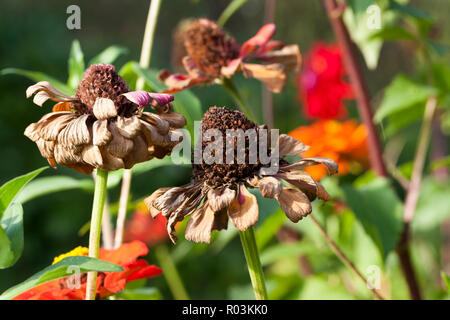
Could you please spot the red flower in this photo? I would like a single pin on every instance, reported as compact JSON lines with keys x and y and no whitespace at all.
{"x":107,"y":282}
{"x":144,"y":228}
{"x":322,"y":84}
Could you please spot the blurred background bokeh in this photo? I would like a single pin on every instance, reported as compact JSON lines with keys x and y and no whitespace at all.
{"x":33,"y":36}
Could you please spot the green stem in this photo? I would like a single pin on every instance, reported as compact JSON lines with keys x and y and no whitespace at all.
{"x":95,"y":229}
{"x":254,"y":264}
{"x":229,"y":11}
{"x":229,"y":85}
{"x":170,"y":272}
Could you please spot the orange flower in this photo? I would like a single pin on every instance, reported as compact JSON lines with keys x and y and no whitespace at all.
{"x":107,"y":282}
{"x":144,"y":228}
{"x":343,"y":142}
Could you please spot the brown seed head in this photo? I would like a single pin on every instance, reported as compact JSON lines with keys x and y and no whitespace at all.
{"x":220,"y":174}
{"x":102,"y":81}
{"x":209,"y":47}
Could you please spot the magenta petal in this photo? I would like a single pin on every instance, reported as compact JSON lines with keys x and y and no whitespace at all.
{"x":144,"y":98}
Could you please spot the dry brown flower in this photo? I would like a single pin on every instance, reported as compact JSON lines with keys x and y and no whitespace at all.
{"x":212,"y":55}
{"x":102,"y":126}
{"x":218,"y":192}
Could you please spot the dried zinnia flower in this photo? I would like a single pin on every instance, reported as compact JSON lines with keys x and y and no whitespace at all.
{"x":178,"y":48}
{"x":322,"y":83}
{"x":213,"y":55}
{"x":108,"y":283}
{"x":344,"y":142}
{"x":102,"y":126}
{"x":218,"y":191}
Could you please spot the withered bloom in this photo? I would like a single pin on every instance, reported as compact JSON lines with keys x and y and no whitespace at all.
{"x":103,"y":125}
{"x":213,"y":55}
{"x":218,"y":192}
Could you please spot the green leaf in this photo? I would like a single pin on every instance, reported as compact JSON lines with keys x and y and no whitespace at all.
{"x":60,"y":270}
{"x":47,"y":185}
{"x":76,"y":65}
{"x":433,"y":206}
{"x":11,"y":224}
{"x":393,"y":33}
{"x":359,"y":21}
{"x":401,"y":95}
{"x":146,"y":293}
{"x":39,"y":76}
{"x":109,"y":55}
{"x":379,"y":210}
{"x":128,"y":74}
{"x":10,"y":189}
{"x":278,"y":251}
{"x":409,"y":10}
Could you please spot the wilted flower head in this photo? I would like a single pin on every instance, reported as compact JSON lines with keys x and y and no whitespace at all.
{"x":218,"y":191}
{"x":108,"y":283}
{"x":322,"y":84}
{"x":102,"y":126}
{"x":344,"y":142}
{"x":212,"y":55}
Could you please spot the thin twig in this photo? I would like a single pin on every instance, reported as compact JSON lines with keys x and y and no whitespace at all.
{"x":419,"y":161}
{"x":343,"y":257}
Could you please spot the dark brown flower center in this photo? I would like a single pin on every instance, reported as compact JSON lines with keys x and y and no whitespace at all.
{"x":228,"y":122}
{"x":209,"y":47}
{"x":102,"y":81}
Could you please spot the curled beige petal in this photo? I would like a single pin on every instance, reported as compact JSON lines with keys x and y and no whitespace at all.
{"x":31,"y":132}
{"x":51,"y":129}
{"x":119,"y":146}
{"x":306,"y":183}
{"x":160,"y":124}
{"x":306,"y":162}
{"x":46,"y":148}
{"x":175,"y":119}
{"x":270,"y":187}
{"x":44,"y":91}
{"x":152,"y":135}
{"x":294,"y":203}
{"x":289,"y":146}
{"x":128,"y":127}
{"x":104,"y":108}
{"x":100,"y":133}
{"x":139,"y":153}
{"x":149,"y":201}
{"x":219,"y":199}
{"x":110,"y":162}
{"x":198,"y":228}
{"x":288,"y":56}
{"x":67,"y":156}
{"x":91,"y":154}
{"x":220,"y":220}
{"x":273,"y":75}
{"x":75,"y":133}
{"x":243,"y":211}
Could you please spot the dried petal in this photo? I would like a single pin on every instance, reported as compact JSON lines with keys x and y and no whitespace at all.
{"x":294,"y":203}
{"x":91,"y":154}
{"x":175,"y":119}
{"x":128,"y":127}
{"x":270,"y":187}
{"x":243,"y":212}
{"x":261,"y":38}
{"x":100,"y":133}
{"x":75,"y":133}
{"x":149,"y":201}
{"x":119,"y":146}
{"x":198,"y":228}
{"x":273,"y":75}
{"x":44,"y":91}
{"x":104,"y":109}
{"x":220,"y":199}
{"x":289,"y":146}
{"x":155,"y":119}
{"x":306,"y":162}
{"x":288,"y":56}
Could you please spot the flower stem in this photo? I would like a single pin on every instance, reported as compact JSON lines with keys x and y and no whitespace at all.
{"x":229,"y":11}
{"x":170,"y":272}
{"x":95,"y":229}
{"x":229,"y":85}
{"x":254,"y":264}
{"x":144,"y":62}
